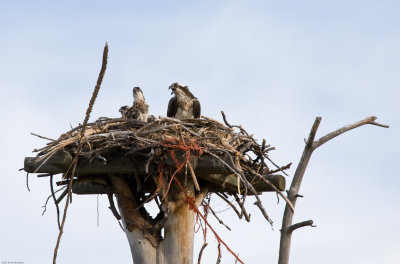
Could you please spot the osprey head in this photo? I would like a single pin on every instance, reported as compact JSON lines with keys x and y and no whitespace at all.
{"x":180,"y":89}
{"x":138,"y":94}
{"x":123,"y":109}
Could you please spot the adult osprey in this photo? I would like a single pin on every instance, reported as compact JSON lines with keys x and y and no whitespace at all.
{"x":183,"y":105}
{"x":139,"y":110}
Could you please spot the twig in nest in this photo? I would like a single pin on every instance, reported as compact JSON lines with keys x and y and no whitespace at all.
{"x":215,"y":215}
{"x":274,"y":164}
{"x":286,"y":167}
{"x":27,"y":182}
{"x":244,"y":181}
{"x":244,"y":212}
{"x":149,"y":160}
{"x":219,"y":254}
{"x":42,"y":137}
{"x":48,"y":198}
{"x":201,"y":252}
{"x":232,"y":126}
{"x":196,"y":184}
{"x":274,"y":188}
{"x":55,"y":201}
{"x":230,"y":204}
{"x":226,"y":122}
{"x":62,"y":195}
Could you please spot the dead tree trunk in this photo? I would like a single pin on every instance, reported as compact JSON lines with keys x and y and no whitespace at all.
{"x":143,"y":246}
{"x":293,"y":193}
{"x":179,"y":227}
{"x":147,"y":246}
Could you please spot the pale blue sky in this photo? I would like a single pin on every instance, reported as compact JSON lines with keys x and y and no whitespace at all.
{"x":271,"y":66}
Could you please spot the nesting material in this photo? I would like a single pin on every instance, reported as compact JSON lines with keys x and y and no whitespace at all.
{"x":201,"y":136}
{"x":235,"y":149}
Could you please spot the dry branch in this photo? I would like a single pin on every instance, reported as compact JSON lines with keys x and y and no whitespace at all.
{"x":81,"y":141}
{"x":215,"y":215}
{"x":293,"y":193}
{"x":231,"y":205}
{"x":201,"y":252}
{"x":55,"y":201}
{"x":301,"y":224}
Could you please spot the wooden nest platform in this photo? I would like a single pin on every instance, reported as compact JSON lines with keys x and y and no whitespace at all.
{"x":223,"y":159}
{"x":203,"y":149}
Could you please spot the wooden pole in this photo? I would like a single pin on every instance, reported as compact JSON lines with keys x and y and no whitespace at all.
{"x":179,"y":227}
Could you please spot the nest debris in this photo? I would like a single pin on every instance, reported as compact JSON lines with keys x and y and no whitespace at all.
{"x":237,"y":150}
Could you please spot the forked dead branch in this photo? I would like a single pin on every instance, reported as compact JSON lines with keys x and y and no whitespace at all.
{"x":293,"y":193}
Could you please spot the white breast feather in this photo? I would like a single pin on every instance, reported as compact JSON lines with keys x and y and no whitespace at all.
{"x":185,"y":107}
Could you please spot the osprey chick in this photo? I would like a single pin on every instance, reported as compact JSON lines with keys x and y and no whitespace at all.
{"x":139,"y":110}
{"x":183,"y":105}
{"x":123,"y":110}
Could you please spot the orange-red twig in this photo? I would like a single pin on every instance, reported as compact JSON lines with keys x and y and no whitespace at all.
{"x":191,"y":200}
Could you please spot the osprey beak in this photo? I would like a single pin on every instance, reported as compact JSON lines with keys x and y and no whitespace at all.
{"x":173,"y":89}
{"x":136,"y":89}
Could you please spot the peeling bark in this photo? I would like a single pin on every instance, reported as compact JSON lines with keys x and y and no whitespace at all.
{"x":179,"y":228}
{"x":147,"y":247}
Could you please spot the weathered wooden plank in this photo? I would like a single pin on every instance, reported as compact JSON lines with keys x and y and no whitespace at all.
{"x":57,"y":163}
{"x":92,"y":185}
{"x":229,"y":181}
{"x":205,"y":167}
{"x":60,"y":163}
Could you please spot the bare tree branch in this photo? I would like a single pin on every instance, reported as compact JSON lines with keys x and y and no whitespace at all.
{"x":27,"y":181}
{"x":55,"y":201}
{"x":42,"y":137}
{"x":199,"y":197}
{"x":230,"y":204}
{"x":369,"y":120}
{"x":293,"y":193}
{"x":244,"y":212}
{"x":201,"y":252}
{"x":112,"y":207}
{"x":301,"y":224}
{"x":215,"y":215}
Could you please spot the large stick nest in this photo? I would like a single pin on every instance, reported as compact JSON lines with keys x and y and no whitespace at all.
{"x":231,"y":145}
{"x":132,"y":136}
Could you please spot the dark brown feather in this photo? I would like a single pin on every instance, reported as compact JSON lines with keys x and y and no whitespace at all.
{"x":196,"y":109}
{"x":172,"y":107}
{"x":132,"y":113}
{"x":187,"y":92}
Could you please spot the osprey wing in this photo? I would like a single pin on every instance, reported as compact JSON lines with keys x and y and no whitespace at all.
{"x":172,"y":107}
{"x":196,"y":108}
{"x":132,"y":113}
